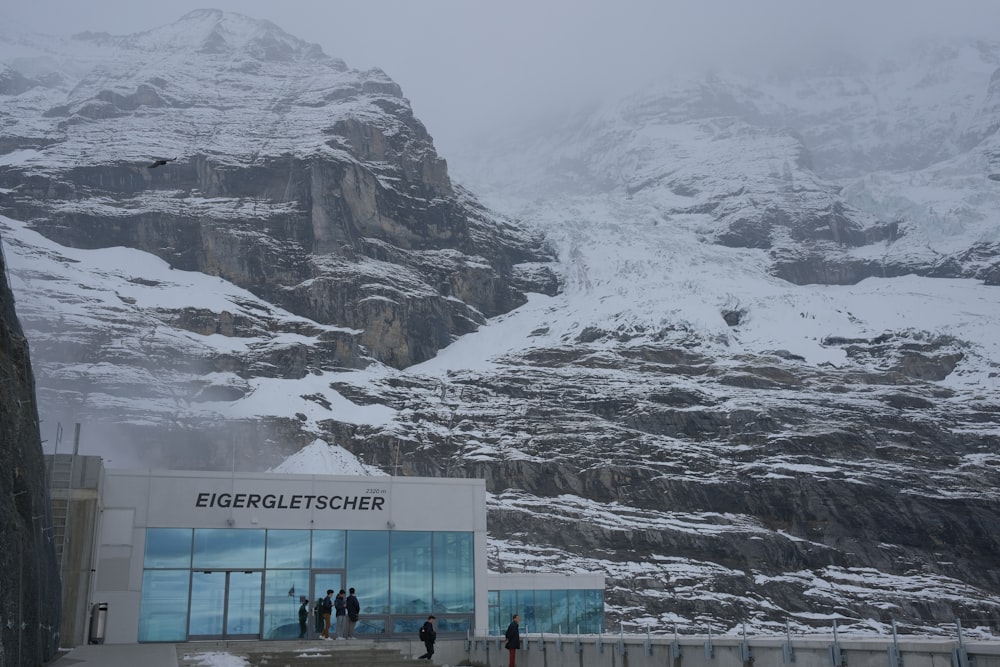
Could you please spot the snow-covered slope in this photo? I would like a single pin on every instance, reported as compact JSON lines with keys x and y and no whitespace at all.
{"x":765,"y":388}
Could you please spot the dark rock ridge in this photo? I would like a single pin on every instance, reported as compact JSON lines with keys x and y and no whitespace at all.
{"x":29,"y":573}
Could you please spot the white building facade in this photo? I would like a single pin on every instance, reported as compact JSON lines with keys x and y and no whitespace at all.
{"x":198,"y":555}
{"x":187,"y":555}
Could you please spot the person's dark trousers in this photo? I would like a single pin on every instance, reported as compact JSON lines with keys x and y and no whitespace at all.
{"x":302,"y":629}
{"x":513,"y":656}
{"x":430,"y":651}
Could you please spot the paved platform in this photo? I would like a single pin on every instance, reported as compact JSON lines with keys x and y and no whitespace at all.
{"x":118,"y":655}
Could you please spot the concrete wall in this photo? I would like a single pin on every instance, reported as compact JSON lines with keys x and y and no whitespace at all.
{"x":508,"y":581}
{"x":78,"y":560}
{"x":724,"y":652}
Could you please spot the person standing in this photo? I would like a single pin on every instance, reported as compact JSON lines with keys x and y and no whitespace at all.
{"x":318,"y":616}
{"x":427,"y":635}
{"x":340,"y":614}
{"x":513,"y":635}
{"x":303,"y":615}
{"x":326,"y":610}
{"x":353,"y":611}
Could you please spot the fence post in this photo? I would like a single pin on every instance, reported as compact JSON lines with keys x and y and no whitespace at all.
{"x":745,"y":653}
{"x":836,"y":657}
{"x":959,"y":656}
{"x":895,"y":658}
{"x":788,"y":650}
{"x":709,"y":649}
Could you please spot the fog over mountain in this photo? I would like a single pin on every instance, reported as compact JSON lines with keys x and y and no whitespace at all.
{"x":730,"y":339}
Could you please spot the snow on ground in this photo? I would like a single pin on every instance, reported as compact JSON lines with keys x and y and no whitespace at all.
{"x":627,"y":267}
{"x":217,"y":659}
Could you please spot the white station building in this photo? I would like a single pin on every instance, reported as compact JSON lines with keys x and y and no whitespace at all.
{"x":176,"y":556}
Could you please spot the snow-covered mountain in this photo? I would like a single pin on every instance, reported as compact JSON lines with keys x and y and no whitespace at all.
{"x":751,"y":373}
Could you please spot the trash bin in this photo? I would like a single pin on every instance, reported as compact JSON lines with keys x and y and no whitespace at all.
{"x":98,"y":622}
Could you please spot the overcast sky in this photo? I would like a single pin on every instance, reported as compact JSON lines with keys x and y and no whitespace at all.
{"x":468,"y":64}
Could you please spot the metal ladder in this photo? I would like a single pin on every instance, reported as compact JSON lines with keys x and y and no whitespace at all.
{"x":61,"y":471}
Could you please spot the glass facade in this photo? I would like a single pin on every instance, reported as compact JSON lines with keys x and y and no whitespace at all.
{"x":556,"y":611}
{"x":240,"y":583}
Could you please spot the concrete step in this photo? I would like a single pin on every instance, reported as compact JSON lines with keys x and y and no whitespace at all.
{"x":298,"y":654}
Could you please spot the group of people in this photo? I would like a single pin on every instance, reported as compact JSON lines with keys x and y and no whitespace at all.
{"x":340,"y":612}
{"x":345,"y":608}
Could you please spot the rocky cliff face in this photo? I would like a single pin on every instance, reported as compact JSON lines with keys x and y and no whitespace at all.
{"x":308,"y":183}
{"x":29,"y":574}
{"x":754,"y":379}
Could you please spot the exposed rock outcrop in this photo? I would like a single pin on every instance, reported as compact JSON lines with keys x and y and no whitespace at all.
{"x":29,"y":574}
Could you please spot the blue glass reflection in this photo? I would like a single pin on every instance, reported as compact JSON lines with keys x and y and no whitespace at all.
{"x":282,"y":592}
{"x":559,"y":612}
{"x":260,"y":574}
{"x":407,"y":626}
{"x":228,"y":548}
{"x":168,"y":547}
{"x":454,"y":573}
{"x":454,"y":624}
{"x":368,"y":569}
{"x":287,"y":548}
{"x":594,"y":619}
{"x":410,"y":576}
{"x":526,"y":610}
{"x":576,"y":616}
{"x":549,"y":611}
{"x":163,"y":606}
{"x":370,"y":626}
{"x":508,"y":607}
{"x":243,"y":612}
{"x":543,"y":611}
{"x":208,"y":603}
{"x":328,"y":549}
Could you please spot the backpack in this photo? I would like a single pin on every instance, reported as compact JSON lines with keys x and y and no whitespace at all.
{"x":423,"y":633}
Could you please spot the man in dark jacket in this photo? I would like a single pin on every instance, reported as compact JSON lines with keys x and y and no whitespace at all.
{"x":427,"y":635}
{"x":513,"y":635}
{"x":326,"y":610}
{"x":353,"y":610}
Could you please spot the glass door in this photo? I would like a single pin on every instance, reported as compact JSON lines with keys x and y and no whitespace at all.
{"x":225,"y":604}
{"x":243,"y":607}
{"x":323,"y":581}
